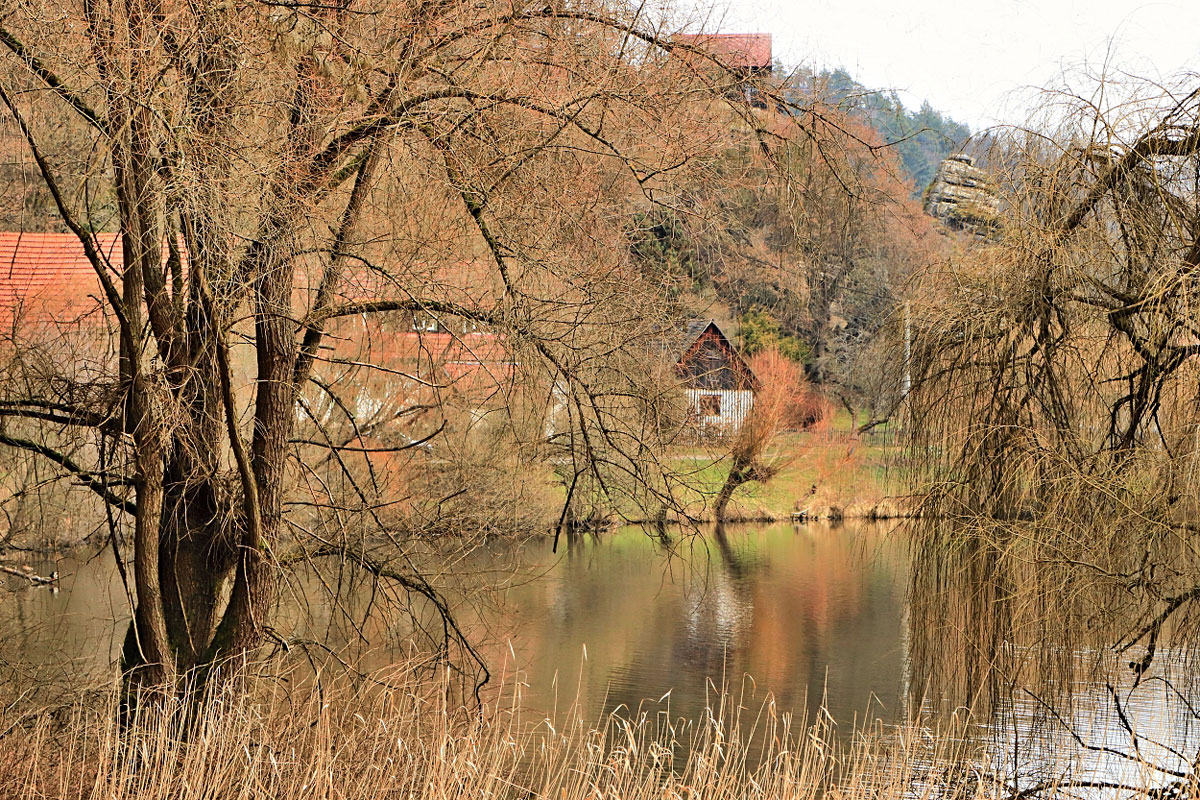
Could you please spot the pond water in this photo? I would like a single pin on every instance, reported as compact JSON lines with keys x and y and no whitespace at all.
{"x":813,"y":615}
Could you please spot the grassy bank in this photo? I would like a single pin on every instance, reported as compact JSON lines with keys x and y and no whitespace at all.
{"x":829,"y":474}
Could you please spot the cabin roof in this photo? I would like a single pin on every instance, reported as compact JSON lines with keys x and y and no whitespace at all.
{"x":702,"y":342}
{"x":693,"y":329}
{"x":736,"y":50}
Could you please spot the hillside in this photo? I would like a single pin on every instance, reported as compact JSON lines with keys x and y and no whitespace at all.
{"x":923,"y":138}
{"x":800,"y":245}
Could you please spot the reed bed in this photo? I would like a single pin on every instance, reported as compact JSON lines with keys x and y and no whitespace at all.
{"x":410,"y":741}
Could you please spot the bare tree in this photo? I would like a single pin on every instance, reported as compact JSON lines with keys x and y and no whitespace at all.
{"x":780,"y":398}
{"x":1055,"y":402}
{"x":277,"y":171}
{"x":1067,"y":346}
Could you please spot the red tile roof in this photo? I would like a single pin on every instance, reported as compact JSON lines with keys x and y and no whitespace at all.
{"x":736,"y":50}
{"x":47,"y":276}
{"x":47,"y":281}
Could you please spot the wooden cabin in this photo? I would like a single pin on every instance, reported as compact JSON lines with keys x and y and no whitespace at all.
{"x":720,"y":385}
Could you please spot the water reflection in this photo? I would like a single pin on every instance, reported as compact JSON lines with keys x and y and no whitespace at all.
{"x":67,"y":637}
{"x":1030,"y":648}
{"x":1099,"y":735}
{"x":810,"y":612}
{"x":855,"y":618}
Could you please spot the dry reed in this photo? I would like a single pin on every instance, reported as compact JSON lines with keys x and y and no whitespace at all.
{"x":408,"y":741}
{"x":276,"y":740}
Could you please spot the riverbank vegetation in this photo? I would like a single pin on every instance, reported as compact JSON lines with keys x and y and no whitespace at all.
{"x":407,"y":741}
{"x":1056,"y":406}
{"x":1054,"y":412}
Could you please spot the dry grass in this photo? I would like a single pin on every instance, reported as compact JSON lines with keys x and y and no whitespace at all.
{"x":408,"y":742}
{"x":278,"y":741}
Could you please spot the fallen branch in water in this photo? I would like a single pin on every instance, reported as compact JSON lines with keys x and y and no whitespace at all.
{"x":36,"y":579}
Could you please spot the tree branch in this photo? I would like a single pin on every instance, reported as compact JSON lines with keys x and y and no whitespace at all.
{"x":39,"y":68}
{"x":382,"y":306}
{"x":85,"y":238}
{"x":86,"y":477}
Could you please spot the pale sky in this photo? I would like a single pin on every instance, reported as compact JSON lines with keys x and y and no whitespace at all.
{"x":974,"y":59}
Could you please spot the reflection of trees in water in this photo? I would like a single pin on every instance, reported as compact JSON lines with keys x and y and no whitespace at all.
{"x":797,"y":608}
{"x":959,"y":623}
{"x":720,"y":612}
{"x":1037,"y":650}
{"x":991,"y":610}
{"x":991,"y":613}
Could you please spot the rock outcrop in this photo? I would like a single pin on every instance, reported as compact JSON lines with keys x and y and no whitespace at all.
{"x":962,"y":196}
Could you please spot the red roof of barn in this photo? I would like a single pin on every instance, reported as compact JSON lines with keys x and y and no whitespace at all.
{"x":47,"y":275}
{"x":737,"y":50}
{"x":46,"y":279}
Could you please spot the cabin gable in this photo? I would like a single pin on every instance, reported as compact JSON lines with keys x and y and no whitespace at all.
{"x":710,"y":361}
{"x":719,"y":384}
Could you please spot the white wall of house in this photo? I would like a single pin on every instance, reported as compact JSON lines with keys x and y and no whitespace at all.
{"x":557,"y":418}
{"x":731,"y":407}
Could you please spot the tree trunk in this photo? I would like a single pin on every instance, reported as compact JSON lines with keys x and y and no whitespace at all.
{"x":740,"y":473}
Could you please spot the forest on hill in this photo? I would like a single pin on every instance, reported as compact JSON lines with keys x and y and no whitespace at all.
{"x":818,"y":267}
{"x":923,"y":138}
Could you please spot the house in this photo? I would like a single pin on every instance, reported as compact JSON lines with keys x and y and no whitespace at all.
{"x":718,"y":382}
{"x":425,"y":357}
{"x":446,"y":361}
{"x":746,"y":55}
{"x":379,"y":365}
{"x":50,"y":295}
{"x":46,"y":280}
